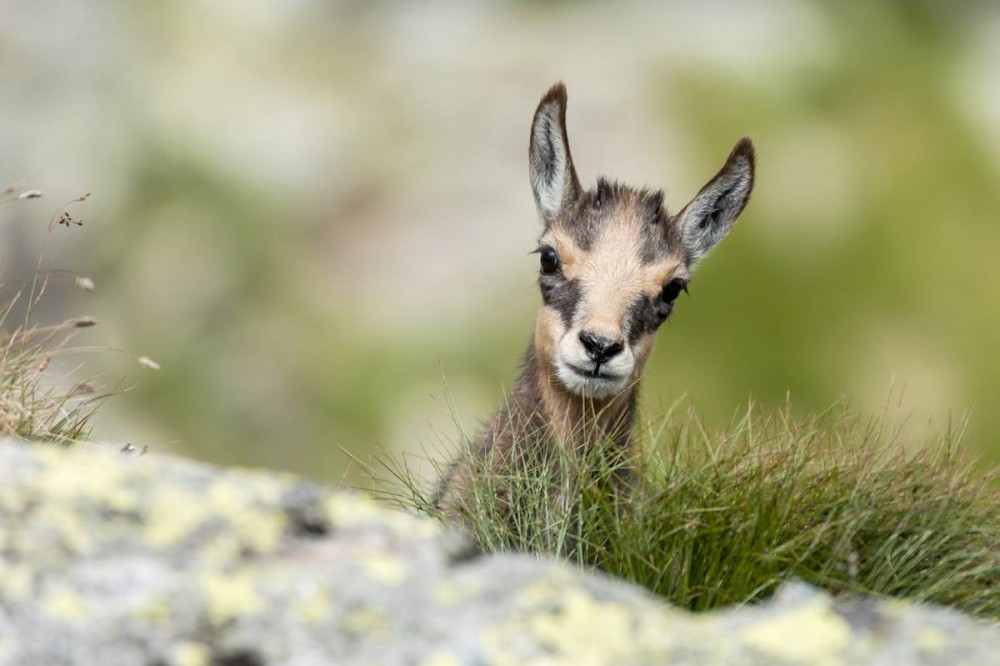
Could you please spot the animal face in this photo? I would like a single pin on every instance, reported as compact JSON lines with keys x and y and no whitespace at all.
{"x":612,"y":261}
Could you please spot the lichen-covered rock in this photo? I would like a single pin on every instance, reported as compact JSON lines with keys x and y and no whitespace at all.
{"x":108,"y":559}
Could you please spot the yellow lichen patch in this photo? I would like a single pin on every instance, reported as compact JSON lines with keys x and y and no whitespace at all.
{"x":654,"y":632}
{"x":257,"y":528}
{"x":12,"y":499}
{"x":564,"y":627}
{"x":156,"y":611}
{"x":346,"y":510}
{"x":441,"y":659}
{"x":17,"y":582}
{"x":570,"y":632}
{"x":894,"y":607}
{"x":453,"y":592}
{"x":365,"y":621}
{"x":173,"y":515}
{"x":542,"y":590}
{"x":499,"y":644}
{"x":80,"y":473}
{"x":190,"y":653}
{"x":932,"y":640}
{"x":64,"y":604}
{"x":813,"y":634}
{"x":265,"y":488}
{"x":425,"y":528}
{"x":66,"y":524}
{"x":385,"y":569}
{"x":316,"y":607}
{"x":446,"y":594}
{"x":230,"y":595}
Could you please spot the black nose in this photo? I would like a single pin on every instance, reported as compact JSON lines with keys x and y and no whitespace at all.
{"x":600,"y":349}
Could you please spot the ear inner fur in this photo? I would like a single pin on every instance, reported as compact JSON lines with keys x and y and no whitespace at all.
{"x":714,"y":210}
{"x":553,"y":177}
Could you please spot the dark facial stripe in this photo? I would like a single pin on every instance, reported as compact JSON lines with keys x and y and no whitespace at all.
{"x":560,"y":294}
{"x":644,"y":316}
{"x":584,"y":222}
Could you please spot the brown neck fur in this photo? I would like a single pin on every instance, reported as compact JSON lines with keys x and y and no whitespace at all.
{"x":543,"y":403}
{"x":541,"y":413}
{"x":569,"y":419}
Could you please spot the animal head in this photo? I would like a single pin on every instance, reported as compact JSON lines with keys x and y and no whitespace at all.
{"x":613,"y":262}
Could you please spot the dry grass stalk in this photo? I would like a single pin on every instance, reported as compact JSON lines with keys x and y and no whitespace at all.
{"x":34,"y":402}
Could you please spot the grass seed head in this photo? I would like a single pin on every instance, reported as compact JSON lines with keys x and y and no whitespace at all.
{"x":85,"y":283}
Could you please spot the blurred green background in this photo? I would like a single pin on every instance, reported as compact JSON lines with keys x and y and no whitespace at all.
{"x":316,"y":215}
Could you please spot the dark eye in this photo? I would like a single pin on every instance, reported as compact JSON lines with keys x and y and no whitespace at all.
{"x":673,"y":289}
{"x":550,"y":261}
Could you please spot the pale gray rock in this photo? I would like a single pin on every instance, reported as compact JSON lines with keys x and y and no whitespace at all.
{"x":109,"y":560}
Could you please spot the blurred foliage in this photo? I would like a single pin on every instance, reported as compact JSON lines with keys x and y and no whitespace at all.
{"x":317,"y":215}
{"x":903,"y":286}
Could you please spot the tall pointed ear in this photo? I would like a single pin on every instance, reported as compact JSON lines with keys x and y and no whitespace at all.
{"x":714,"y":210}
{"x":553,"y":178}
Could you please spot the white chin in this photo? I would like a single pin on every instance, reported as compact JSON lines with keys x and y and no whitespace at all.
{"x":590,"y":387}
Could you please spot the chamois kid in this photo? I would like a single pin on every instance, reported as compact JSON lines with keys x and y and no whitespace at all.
{"x":613,"y":263}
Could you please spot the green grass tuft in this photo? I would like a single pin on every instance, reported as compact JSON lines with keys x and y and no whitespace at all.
{"x":35,"y":405}
{"x":723,"y":517}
